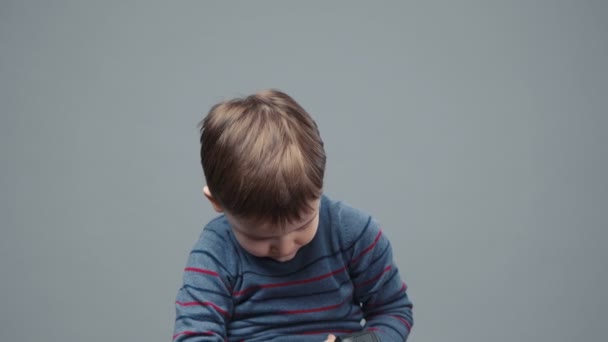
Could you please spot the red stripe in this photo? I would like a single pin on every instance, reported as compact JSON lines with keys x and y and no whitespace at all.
{"x":365,"y":251}
{"x":323,"y":308}
{"x":386,"y":269}
{"x":223,"y":312}
{"x":200,"y":270}
{"x":407,"y":324}
{"x":327,"y":332}
{"x":289,"y":283}
{"x":402,"y":289}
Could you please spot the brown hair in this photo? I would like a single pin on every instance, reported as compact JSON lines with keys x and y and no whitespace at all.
{"x":262,"y":156}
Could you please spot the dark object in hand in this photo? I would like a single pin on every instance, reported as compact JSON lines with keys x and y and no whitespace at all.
{"x":363,"y":336}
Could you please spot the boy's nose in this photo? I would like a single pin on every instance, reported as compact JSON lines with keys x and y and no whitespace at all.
{"x":282,"y":248}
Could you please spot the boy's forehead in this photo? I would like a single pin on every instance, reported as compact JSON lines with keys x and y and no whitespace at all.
{"x":267,"y":228}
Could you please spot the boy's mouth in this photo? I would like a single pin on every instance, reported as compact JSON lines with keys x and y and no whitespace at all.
{"x":286,"y":257}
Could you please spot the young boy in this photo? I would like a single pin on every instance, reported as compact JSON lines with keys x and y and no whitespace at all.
{"x":283,"y":262}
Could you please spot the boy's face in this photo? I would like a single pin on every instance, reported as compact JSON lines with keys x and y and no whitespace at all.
{"x":279,"y":243}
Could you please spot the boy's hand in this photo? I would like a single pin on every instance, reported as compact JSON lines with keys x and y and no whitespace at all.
{"x":330,"y":338}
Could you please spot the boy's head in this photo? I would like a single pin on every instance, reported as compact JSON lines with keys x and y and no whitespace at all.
{"x":263,"y":159}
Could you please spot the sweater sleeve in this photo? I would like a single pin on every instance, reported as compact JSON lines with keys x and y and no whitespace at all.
{"x":204,"y":302}
{"x":378,"y":286}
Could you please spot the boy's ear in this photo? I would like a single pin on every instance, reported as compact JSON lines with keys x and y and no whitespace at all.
{"x":213,"y":201}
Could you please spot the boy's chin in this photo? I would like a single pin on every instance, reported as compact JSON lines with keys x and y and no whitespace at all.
{"x":285,"y":258}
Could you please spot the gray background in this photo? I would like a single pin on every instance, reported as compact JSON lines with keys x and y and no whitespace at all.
{"x":476,"y":132}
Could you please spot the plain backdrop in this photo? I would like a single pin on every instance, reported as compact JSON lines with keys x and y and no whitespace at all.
{"x":474,"y":131}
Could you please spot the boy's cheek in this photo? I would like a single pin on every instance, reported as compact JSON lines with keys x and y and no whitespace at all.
{"x":258,"y":249}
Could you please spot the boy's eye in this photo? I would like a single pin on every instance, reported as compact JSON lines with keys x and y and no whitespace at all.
{"x":257,"y":238}
{"x":254,"y":238}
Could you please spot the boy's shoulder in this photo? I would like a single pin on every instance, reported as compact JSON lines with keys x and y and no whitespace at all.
{"x":348,"y":221}
{"x":218,"y":225}
{"x":215,"y":248}
{"x":215,"y":236}
{"x":346,"y":213}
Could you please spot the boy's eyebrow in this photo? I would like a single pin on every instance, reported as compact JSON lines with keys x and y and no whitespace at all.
{"x":308,"y":222}
{"x":244,"y":232}
{"x":315,"y":213}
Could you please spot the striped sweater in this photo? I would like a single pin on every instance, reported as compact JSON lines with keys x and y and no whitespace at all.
{"x":343,"y":281}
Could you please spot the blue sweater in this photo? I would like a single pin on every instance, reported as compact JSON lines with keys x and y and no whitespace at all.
{"x":343,"y":277}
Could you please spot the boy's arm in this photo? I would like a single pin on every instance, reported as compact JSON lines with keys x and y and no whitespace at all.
{"x":379,"y":287}
{"x":204,"y":303}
